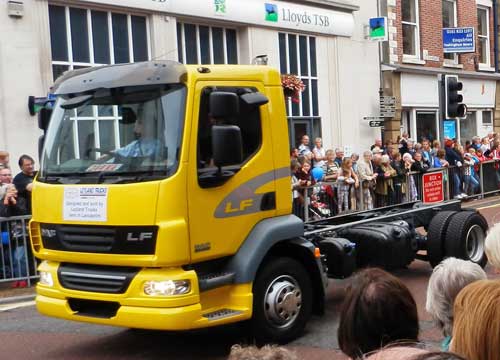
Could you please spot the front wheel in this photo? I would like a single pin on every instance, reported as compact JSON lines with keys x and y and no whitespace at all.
{"x":282,"y":301}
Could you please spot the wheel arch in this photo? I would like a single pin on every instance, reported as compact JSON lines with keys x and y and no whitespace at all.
{"x":279,"y":236}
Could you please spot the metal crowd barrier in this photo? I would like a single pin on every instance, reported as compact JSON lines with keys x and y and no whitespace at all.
{"x":326,"y":199}
{"x":17,"y":262}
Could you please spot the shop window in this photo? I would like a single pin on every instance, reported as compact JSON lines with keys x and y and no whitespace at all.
{"x":450,"y":21}
{"x":426,"y":122}
{"x":298,"y":57}
{"x":468,"y":127}
{"x":483,"y":35}
{"x":411,"y":36}
{"x":248,"y":121}
{"x":95,"y":38}
{"x":201,"y":44}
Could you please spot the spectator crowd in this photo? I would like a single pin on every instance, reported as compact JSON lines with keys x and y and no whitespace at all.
{"x":15,"y":200}
{"x":387,"y":174}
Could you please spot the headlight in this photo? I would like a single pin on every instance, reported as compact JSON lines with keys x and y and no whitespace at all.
{"x":167,"y":287}
{"x":46,"y":278}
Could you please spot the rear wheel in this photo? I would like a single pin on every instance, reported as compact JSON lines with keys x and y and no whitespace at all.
{"x":282,"y":301}
{"x":436,"y":235}
{"x":466,"y":236}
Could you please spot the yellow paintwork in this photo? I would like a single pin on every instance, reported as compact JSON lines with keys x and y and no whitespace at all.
{"x":184,"y":213}
{"x":138,"y":310}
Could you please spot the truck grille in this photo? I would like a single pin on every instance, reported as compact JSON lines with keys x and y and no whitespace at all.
{"x":95,"y":278}
{"x":140,"y":240}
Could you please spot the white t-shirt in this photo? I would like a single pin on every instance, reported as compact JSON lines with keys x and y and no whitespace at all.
{"x":319,"y":152}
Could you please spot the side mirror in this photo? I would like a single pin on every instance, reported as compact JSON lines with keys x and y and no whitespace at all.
{"x":44,"y":119}
{"x":224,"y":104}
{"x":254,"y":99}
{"x":227,"y":145}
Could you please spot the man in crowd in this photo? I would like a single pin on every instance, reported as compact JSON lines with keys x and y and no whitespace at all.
{"x":379,"y":144}
{"x":4,"y":159}
{"x":304,"y":149}
{"x":339,"y":156}
{"x":24,"y":180}
{"x":12,"y":205}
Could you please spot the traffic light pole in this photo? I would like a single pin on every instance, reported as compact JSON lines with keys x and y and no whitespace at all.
{"x":442,"y":108}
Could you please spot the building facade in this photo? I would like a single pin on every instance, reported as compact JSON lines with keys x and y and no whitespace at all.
{"x":321,"y":41}
{"x":414,"y":60}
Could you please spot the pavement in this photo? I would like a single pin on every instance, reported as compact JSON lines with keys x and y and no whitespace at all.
{"x":29,"y":335}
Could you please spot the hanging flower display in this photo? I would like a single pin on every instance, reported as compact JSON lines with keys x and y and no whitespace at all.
{"x":292,"y":86}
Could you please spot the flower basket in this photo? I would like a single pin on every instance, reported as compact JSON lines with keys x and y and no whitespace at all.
{"x":292,"y":86}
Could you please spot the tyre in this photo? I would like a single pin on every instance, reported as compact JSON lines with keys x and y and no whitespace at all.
{"x":465,"y":237}
{"x":282,"y":301}
{"x":436,"y":236}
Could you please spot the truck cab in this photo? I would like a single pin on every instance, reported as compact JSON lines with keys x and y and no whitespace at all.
{"x":163,"y":200}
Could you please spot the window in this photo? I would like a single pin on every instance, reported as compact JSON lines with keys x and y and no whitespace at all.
{"x":298,"y":57}
{"x":248,"y":120}
{"x":468,"y":127}
{"x":450,"y":21}
{"x":200,"y":44}
{"x":411,"y":37}
{"x":487,"y":118}
{"x":82,"y":37}
{"x":426,"y":122}
{"x":483,"y":34}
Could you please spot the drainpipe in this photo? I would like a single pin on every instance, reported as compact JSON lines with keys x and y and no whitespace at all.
{"x":495,"y":22}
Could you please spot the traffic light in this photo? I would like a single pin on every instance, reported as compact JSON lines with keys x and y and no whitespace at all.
{"x":454,"y":108}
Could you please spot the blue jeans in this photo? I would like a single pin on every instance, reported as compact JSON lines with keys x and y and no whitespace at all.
{"x":471,"y":184}
{"x":19,"y":261}
{"x":456,"y":185}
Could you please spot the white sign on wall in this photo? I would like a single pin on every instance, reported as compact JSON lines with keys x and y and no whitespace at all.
{"x":276,"y":14}
{"x":85,"y":203}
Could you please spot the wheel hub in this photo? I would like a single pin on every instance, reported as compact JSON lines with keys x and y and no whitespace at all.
{"x":283,"y":301}
{"x":475,"y":243}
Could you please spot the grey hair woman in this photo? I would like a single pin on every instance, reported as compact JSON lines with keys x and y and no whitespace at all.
{"x":446,"y":281}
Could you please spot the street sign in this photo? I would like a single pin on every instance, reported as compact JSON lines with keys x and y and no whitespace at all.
{"x":378,"y":29}
{"x":375,"y":123}
{"x":433,"y":187}
{"x":459,"y":40}
{"x":387,"y":106}
{"x":377,"y":118}
{"x":388,"y":100}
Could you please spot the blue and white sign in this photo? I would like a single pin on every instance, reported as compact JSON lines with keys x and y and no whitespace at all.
{"x":459,"y":40}
{"x":450,"y":129}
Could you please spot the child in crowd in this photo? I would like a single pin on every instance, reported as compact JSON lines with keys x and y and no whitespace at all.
{"x":347,"y":177}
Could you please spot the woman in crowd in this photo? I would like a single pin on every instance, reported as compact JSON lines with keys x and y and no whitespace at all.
{"x":412,"y":187}
{"x":319,"y":154}
{"x":420,"y":165}
{"x":399,"y":180}
{"x":346,"y":180}
{"x":385,"y":184}
{"x":378,"y":310}
{"x":476,"y":325}
{"x":446,"y":281}
{"x":367,"y":178}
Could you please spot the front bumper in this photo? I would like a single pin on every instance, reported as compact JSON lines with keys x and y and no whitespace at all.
{"x":134,"y":309}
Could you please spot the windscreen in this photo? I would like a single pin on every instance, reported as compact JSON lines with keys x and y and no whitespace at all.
{"x":115,"y":135}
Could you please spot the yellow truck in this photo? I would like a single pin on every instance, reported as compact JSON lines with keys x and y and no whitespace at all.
{"x":164,"y":201}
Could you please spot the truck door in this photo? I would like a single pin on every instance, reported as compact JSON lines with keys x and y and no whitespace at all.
{"x":222,"y":213}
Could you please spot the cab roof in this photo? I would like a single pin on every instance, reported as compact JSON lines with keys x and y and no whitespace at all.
{"x":156,"y":73}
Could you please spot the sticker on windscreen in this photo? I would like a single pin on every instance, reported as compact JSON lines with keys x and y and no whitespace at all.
{"x":103,"y":167}
{"x":85,"y":203}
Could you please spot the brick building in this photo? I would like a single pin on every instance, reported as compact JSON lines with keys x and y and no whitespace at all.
{"x":413,"y":60}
